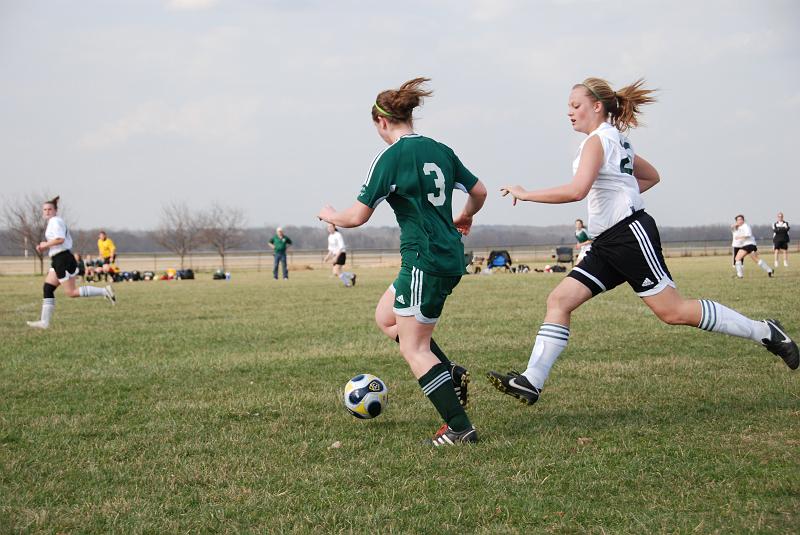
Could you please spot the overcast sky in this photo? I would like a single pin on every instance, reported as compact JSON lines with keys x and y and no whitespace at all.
{"x":123,"y":106}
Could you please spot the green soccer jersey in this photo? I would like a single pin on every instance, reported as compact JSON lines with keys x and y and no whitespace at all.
{"x":416,"y":175}
{"x":581,"y":235}
{"x":280,"y":243}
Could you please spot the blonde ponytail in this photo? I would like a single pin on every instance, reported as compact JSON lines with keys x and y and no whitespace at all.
{"x":622,"y":106}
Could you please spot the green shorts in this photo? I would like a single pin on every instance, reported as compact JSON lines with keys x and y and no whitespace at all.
{"x":420,"y":294}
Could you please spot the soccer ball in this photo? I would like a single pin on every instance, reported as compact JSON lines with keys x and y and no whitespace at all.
{"x":365,"y":396}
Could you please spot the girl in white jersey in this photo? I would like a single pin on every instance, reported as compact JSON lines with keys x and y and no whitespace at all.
{"x":338,"y":253}
{"x":626,"y":246}
{"x":744,"y":244}
{"x":63,"y":266}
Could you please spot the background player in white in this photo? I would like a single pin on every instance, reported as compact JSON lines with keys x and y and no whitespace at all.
{"x":338,"y":253}
{"x":63,"y":266}
{"x":780,"y":239}
{"x":744,"y":244}
{"x":626,"y":246}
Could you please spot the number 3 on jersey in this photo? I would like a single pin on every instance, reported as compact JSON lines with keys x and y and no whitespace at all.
{"x":438,"y":181}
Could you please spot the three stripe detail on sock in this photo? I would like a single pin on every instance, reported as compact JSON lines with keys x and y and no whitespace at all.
{"x":554,"y":330}
{"x":708,"y":315}
{"x":435,"y":383}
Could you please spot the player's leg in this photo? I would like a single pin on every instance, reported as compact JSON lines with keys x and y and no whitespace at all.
{"x":285,"y":260}
{"x":775,"y":250}
{"x":763,"y":265}
{"x":550,"y":342}
{"x":387,"y":322}
{"x":386,"y":319}
{"x":672,"y":308}
{"x":384,"y":315}
{"x":592,"y":276}
{"x":738,"y":262}
{"x":435,"y":380}
{"x":48,"y":301}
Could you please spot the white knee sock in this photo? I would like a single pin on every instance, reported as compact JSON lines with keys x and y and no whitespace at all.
{"x":721,"y":319}
{"x":92,"y":291}
{"x":48,"y":306}
{"x":739,"y":269}
{"x":550,"y":342}
{"x":763,"y":265}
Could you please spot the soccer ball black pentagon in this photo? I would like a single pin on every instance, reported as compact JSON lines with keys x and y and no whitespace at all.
{"x":365,"y":396}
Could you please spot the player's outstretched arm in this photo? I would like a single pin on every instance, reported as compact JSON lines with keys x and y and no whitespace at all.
{"x":355,"y":216}
{"x":576,"y":190}
{"x":646,"y":175}
{"x":477,"y":196}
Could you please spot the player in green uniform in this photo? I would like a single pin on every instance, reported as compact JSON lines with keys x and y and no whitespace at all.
{"x":416,"y":176}
{"x":584,"y":241}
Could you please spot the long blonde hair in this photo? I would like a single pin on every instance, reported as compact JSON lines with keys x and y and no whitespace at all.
{"x":623,"y":105}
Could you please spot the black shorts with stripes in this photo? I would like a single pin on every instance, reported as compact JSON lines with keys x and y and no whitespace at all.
{"x":630,"y":251}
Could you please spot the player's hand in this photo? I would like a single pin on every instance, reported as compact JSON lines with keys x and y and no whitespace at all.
{"x":41,"y":247}
{"x":326,"y":213}
{"x":515,"y":191}
{"x":463,"y":223}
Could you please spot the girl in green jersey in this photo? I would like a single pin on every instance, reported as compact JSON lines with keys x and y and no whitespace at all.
{"x":416,"y":175}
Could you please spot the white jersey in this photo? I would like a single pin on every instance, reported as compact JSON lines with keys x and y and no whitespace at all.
{"x":56,"y":228}
{"x":615,"y":193}
{"x":743,"y":236}
{"x":335,"y":243}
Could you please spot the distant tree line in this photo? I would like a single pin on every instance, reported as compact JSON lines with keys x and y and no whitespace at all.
{"x":189,"y":239}
{"x":221,"y":229}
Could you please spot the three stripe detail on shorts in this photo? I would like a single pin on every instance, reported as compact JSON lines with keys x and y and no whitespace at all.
{"x":416,"y":286}
{"x":647,"y":249}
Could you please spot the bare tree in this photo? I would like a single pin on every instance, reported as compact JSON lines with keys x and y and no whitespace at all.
{"x":26,"y":225}
{"x":178,"y":230}
{"x":223,"y":229}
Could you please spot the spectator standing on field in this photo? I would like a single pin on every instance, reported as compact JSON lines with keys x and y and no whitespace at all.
{"x":780,"y":239}
{"x":279,"y":243}
{"x":337,"y":252}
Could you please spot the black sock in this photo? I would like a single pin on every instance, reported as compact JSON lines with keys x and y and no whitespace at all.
{"x":436,"y":350}
{"x":438,"y":386}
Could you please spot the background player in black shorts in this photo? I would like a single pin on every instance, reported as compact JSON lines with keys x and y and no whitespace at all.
{"x":63,"y":268}
{"x":780,"y":239}
{"x":744,"y":244}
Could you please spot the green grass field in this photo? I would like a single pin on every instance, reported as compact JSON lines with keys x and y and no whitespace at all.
{"x":212,"y":406}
